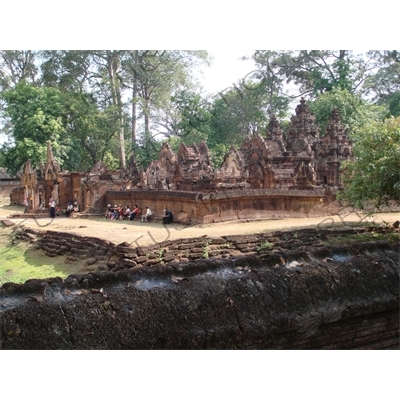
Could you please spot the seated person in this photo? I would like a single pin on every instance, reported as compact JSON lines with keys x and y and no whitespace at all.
{"x":146,"y":216}
{"x":108,"y":212}
{"x":135,"y":212}
{"x":115,"y":213}
{"x":121,"y":212}
{"x":70,"y":209}
{"x":168,"y":217}
{"x":127,"y":212}
{"x":76,"y":207}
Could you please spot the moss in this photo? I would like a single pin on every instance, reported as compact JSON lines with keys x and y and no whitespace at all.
{"x":391,"y":237}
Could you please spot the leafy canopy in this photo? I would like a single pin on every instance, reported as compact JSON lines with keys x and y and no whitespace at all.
{"x":373,"y":178}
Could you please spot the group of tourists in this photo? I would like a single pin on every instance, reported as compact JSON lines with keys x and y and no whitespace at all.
{"x":121,"y":213}
{"x":116,"y":213}
{"x":72,"y":207}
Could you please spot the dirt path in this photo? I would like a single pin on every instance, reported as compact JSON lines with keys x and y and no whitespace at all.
{"x":143,"y":234}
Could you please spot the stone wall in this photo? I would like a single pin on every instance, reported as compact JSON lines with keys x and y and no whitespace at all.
{"x":6,"y":187}
{"x":283,"y":290}
{"x":195,"y":207}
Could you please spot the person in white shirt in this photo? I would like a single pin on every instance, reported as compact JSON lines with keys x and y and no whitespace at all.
{"x":147,"y":215}
{"x":52,"y":205}
{"x":127,"y":212}
{"x":70,"y":209}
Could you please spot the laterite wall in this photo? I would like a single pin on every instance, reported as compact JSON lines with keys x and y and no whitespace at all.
{"x":298,"y":294}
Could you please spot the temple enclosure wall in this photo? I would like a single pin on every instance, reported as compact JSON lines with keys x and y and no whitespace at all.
{"x":7,"y":185}
{"x":277,"y":290}
{"x":220,"y":206}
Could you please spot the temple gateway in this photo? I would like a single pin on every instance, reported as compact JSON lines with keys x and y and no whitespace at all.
{"x":274,"y":175}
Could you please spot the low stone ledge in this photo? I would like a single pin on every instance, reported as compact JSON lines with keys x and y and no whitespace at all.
{"x":254,"y":304}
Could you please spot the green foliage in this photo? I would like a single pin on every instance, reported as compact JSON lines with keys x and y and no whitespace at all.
{"x":394,"y":104}
{"x":374,"y":177}
{"x":392,"y":237}
{"x":206,"y":249}
{"x":354,"y":111}
{"x":37,"y":117}
{"x":16,"y":66}
{"x":266,"y":246}
{"x":319,"y":71}
{"x":194,"y":117}
{"x":218,"y":152}
{"x":237,"y":113}
{"x":146,"y":151}
{"x":110,"y":161}
{"x":385,"y":82}
{"x":87,"y":103}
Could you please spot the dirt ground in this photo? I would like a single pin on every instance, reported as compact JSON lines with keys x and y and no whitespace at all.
{"x":143,"y":234}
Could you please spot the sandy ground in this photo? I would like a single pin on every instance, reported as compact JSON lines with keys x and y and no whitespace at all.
{"x":144,"y":234}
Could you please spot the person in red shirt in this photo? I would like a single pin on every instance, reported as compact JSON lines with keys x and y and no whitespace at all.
{"x":135,"y":212}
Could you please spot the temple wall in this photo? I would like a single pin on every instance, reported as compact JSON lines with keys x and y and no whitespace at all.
{"x":195,"y":207}
{"x":7,"y":186}
{"x":298,"y":297}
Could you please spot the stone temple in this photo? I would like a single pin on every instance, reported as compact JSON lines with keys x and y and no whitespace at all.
{"x":274,"y":175}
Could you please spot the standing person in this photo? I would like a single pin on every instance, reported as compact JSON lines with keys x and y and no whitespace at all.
{"x":52,"y":205}
{"x":26,"y":205}
{"x":168,"y":217}
{"x":147,"y":215}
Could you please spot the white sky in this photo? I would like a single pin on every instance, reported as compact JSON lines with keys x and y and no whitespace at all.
{"x":226,"y":69}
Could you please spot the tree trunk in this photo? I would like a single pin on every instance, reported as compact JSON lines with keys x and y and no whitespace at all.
{"x":146,"y":112}
{"x":114,"y":64}
{"x":134,"y":94}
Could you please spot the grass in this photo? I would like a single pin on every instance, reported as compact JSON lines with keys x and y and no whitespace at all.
{"x":21,"y":262}
{"x":391,"y":237}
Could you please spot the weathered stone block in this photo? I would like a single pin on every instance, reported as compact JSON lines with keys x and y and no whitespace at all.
{"x":141,"y":259}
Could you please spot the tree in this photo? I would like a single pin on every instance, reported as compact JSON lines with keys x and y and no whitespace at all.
{"x":394,"y":104}
{"x":193,"y":117}
{"x":272,"y":81}
{"x":97,"y":118}
{"x":67,"y":70}
{"x":92,"y":131}
{"x":385,"y":82}
{"x":373,"y":178}
{"x":238,"y":112}
{"x":354,"y":111}
{"x":317,"y":71}
{"x":154,"y":76}
{"x":36,"y":115}
{"x":109,"y":63}
{"x":16,"y":66}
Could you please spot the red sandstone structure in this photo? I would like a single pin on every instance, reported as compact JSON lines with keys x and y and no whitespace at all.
{"x":278,"y":175}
